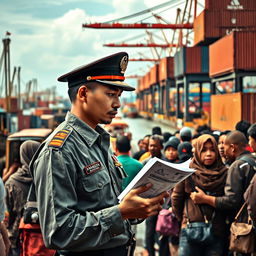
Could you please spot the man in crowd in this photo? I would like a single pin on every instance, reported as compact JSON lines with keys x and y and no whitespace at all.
{"x":130,"y":165}
{"x":250,"y":194}
{"x":155,"y":149}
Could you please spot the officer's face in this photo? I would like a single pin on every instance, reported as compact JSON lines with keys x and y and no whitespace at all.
{"x":102,"y":104}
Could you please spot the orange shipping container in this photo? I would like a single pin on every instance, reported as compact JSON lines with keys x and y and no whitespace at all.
{"x":154,"y":79}
{"x":230,"y":4}
{"x":221,"y":116}
{"x":42,"y":111}
{"x":166,"y":68}
{"x":147,"y":81}
{"x":211,"y":24}
{"x":243,"y":108}
{"x":234,"y":52}
{"x":206,"y":27}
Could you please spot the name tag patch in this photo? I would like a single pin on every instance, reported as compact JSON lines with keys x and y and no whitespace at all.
{"x":89,"y":169}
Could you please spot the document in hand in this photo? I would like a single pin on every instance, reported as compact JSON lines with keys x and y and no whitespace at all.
{"x":162,"y":174}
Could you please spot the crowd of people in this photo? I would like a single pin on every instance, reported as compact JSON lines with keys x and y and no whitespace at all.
{"x":216,"y":191}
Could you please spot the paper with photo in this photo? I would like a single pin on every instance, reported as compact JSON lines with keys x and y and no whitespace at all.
{"x":162,"y":174}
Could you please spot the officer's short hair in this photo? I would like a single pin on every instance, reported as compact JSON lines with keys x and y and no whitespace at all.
{"x":123,"y":144}
{"x":252,"y":131}
{"x":72,"y":91}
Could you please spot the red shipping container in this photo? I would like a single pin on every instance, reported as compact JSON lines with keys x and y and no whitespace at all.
{"x":230,"y":4}
{"x":42,"y":103}
{"x":193,"y":60}
{"x":153,"y":74}
{"x":212,"y":25}
{"x":13,"y":104}
{"x":166,"y":68}
{"x":23,"y":122}
{"x":234,"y":52}
{"x":248,"y":108}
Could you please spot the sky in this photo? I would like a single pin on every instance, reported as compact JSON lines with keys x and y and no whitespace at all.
{"x":47,"y":39}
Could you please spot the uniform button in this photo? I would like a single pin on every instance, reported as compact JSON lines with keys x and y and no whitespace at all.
{"x":100,"y":185}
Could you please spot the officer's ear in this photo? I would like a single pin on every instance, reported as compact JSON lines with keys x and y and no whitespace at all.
{"x":82,"y":93}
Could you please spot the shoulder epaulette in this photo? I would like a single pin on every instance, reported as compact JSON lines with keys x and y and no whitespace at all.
{"x":59,"y":138}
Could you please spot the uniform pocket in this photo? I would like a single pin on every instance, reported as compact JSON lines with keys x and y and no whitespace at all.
{"x":95,"y":181}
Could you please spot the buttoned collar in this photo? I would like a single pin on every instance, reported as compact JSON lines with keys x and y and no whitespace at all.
{"x":89,"y":134}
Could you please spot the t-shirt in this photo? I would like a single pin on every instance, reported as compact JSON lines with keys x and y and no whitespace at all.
{"x":131,"y":167}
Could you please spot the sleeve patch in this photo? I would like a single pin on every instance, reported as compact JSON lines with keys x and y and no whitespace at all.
{"x":59,"y":138}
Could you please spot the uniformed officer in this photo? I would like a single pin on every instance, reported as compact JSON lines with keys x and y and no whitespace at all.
{"x":77,"y":177}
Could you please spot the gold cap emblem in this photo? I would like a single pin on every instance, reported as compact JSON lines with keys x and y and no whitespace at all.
{"x":123,"y":64}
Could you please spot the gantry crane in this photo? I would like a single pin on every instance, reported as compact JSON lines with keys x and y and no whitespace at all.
{"x":183,"y":23}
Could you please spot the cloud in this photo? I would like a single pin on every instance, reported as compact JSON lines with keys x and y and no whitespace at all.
{"x":46,"y":46}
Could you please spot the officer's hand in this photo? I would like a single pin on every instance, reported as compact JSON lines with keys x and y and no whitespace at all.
{"x":133,"y":206}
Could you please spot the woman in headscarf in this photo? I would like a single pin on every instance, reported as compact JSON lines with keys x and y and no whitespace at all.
{"x":210,"y":176}
{"x":17,"y":187}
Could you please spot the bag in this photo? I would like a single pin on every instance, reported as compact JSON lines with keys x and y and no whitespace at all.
{"x":242,"y":235}
{"x":167,"y":224}
{"x":199,"y":232}
{"x":32,"y":243}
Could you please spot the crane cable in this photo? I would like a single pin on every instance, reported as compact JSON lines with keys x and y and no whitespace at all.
{"x":142,"y":12}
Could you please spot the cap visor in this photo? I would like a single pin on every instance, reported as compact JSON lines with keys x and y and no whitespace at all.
{"x":119,"y":84}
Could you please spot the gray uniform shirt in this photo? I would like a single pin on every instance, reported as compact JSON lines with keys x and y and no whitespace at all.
{"x":77,"y":182}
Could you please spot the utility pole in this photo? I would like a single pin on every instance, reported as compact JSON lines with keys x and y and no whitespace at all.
{"x":7,"y":74}
{"x":18,"y":92}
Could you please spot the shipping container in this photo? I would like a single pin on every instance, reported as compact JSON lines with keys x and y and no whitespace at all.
{"x":13,"y":104}
{"x":42,"y":111}
{"x":232,"y":53}
{"x":249,"y":107}
{"x":243,"y":108}
{"x":191,"y":60}
{"x":166,"y":68}
{"x":154,"y":75}
{"x":210,"y":25}
{"x":23,"y":121}
{"x":206,"y":28}
{"x":230,"y":4}
{"x":147,"y":81}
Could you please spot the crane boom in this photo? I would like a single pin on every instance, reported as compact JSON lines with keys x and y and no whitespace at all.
{"x":141,"y":45}
{"x":146,"y":59}
{"x":137,"y":26}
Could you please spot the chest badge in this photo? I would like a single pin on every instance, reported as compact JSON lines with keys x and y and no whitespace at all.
{"x":91,"y":168}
